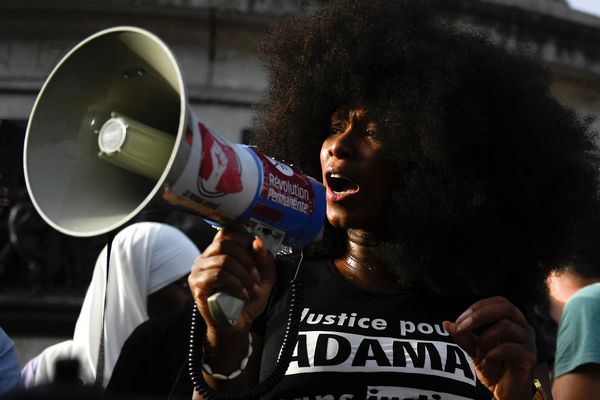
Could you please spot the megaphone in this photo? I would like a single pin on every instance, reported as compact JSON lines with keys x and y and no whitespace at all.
{"x":111,"y":132}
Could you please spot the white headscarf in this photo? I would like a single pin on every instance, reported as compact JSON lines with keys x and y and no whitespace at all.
{"x":145,"y":257}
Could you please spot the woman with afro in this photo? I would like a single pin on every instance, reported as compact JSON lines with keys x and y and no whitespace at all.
{"x":454,"y":182}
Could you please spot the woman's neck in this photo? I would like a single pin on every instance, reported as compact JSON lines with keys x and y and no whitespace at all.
{"x":362,"y":267}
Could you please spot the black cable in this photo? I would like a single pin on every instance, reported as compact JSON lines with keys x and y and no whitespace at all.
{"x":197,"y":334}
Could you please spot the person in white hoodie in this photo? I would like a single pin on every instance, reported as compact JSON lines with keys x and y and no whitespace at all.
{"x":147,"y":276}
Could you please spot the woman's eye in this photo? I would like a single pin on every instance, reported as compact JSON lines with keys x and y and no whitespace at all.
{"x":335,"y":130}
{"x":371,"y":132}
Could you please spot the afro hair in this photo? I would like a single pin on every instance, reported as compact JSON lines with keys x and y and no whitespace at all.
{"x":493,"y":174}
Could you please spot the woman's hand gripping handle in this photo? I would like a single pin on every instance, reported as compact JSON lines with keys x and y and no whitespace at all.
{"x":232,"y":280}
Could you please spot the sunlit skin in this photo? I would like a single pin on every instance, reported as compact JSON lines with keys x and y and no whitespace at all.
{"x":561,"y":286}
{"x":358,"y":182}
{"x":353,"y":152}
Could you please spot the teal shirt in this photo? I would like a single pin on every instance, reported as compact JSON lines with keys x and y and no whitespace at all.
{"x":578,"y":340}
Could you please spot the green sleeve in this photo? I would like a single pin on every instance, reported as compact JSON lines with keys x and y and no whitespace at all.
{"x":578,"y":340}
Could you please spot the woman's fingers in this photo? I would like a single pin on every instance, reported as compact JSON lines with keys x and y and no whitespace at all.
{"x":505,"y":368}
{"x":233,"y":251}
{"x":466,"y":339}
{"x":488,"y":323}
{"x":234,"y":243}
{"x":221,"y":273}
{"x":487,"y":311}
{"x":265,"y":263}
{"x":504,"y":331}
{"x":501,"y":344}
{"x":235,"y":263}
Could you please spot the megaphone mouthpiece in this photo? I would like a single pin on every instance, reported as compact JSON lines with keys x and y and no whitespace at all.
{"x":134,"y":146}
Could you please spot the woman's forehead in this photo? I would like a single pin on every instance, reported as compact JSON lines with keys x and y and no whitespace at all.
{"x":349,"y":112}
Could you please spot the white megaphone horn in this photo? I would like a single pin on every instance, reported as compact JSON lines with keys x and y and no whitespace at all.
{"x":111,"y":132}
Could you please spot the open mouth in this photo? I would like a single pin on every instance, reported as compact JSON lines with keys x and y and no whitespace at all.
{"x":340,"y":184}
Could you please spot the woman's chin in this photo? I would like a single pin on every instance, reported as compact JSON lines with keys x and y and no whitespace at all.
{"x":347,"y":221}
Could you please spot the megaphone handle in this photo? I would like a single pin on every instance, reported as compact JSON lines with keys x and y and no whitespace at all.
{"x":226,"y":309}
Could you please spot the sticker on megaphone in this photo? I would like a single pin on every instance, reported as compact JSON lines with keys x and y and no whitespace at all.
{"x":237,"y":185}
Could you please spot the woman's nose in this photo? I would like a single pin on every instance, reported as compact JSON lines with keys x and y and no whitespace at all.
{"x":343,"y":145}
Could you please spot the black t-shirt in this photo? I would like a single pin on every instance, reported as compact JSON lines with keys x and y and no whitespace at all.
{"x":352,"y":345}
{"x":358,"y":345}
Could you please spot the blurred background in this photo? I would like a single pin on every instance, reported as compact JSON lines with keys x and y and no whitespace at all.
{"x":44,"y":274}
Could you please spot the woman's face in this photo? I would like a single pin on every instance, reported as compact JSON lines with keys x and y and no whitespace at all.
{"x":168,"y":299}
{"x":357,"y":177}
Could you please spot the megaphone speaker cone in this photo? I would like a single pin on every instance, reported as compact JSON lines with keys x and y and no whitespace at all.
{"x":75,"y":190}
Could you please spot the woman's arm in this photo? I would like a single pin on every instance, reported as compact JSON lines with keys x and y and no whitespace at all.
{"x":237,"y":264}
{"x":582,"y":383}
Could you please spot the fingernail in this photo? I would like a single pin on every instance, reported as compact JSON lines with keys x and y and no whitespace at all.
{"x":464,"y":325}
{"x":450,"y":327}
{"x":256,"y":289}
{"x":446,"y":326}
{"x":245,"y":295}
{"x":463,"y":316}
